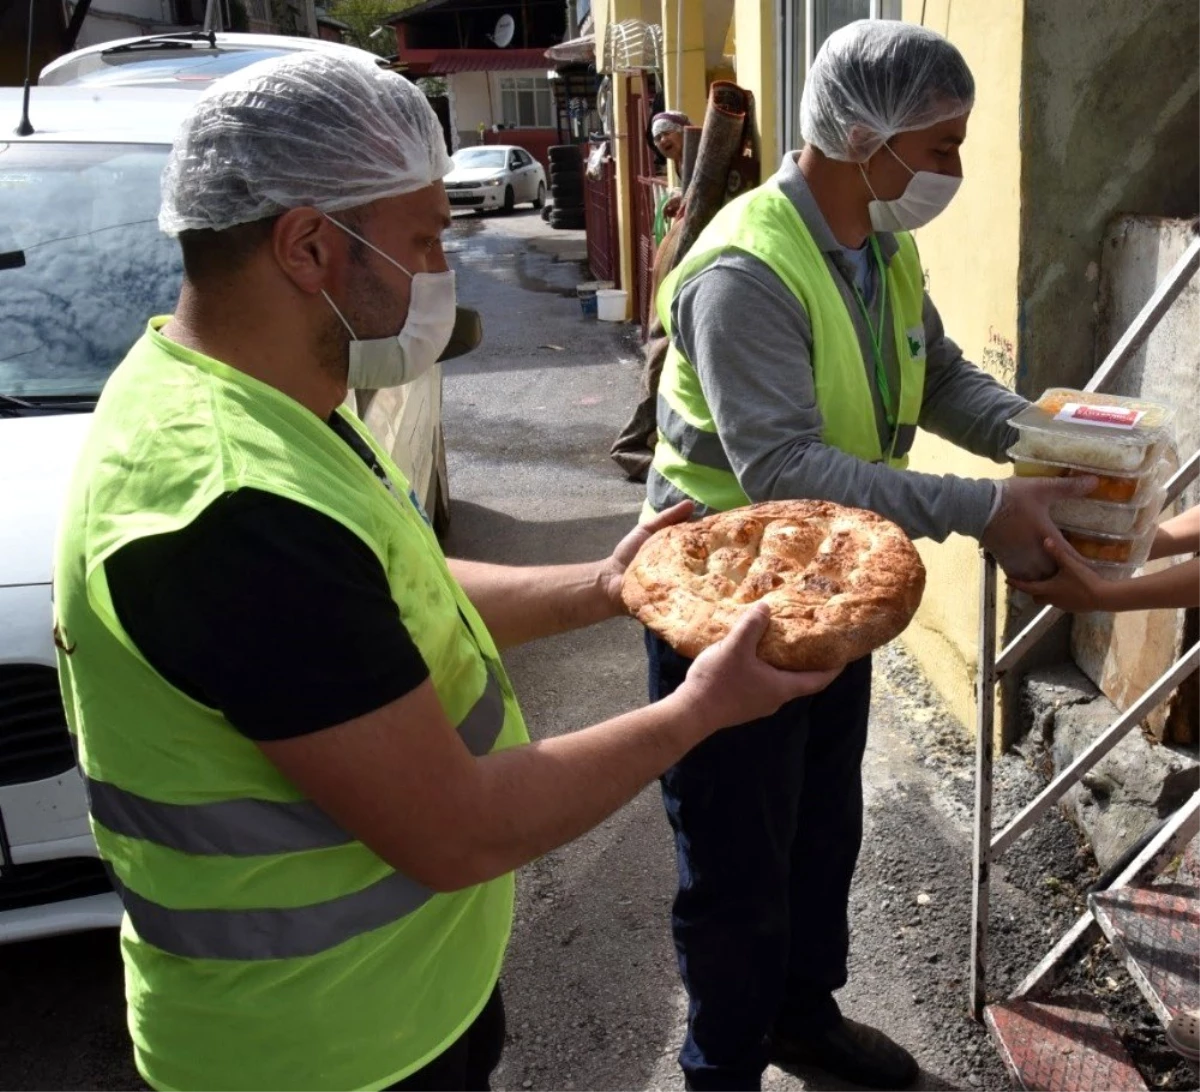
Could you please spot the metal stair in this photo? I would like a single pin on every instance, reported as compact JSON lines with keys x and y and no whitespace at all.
{"x":1061,"y":1048}
{"x":1067,"y":1044}
{"x":1157,"y":935}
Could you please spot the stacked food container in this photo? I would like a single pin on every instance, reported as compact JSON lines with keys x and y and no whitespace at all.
{"x":1127,"y":444}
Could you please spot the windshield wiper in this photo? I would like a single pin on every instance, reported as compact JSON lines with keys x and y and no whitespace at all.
{"x":41,"y":405}
{"x":185,"y":40}
{"x":14,"y":407}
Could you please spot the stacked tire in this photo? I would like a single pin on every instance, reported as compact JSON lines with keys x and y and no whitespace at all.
{"x":566,"y":187}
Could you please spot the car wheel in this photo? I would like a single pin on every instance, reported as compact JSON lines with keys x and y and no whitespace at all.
{"x":510,"y":199}
{"x":540,"y":200}
{"x":440,"y":516}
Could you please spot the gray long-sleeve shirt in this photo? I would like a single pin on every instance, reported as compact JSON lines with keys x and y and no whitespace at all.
{"x":750,"y":341}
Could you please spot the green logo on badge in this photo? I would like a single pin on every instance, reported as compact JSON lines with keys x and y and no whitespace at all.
{"x":915,"y":346}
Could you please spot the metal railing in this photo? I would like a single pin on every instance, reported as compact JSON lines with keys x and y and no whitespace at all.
{"x":993,"y":667}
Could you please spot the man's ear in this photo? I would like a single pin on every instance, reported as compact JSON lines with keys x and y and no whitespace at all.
{"x":309,"y":249}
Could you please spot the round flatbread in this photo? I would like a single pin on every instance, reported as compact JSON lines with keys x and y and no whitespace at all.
{"x":840,"y":581}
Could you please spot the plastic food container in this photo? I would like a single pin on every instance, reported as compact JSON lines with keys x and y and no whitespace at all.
{"x":1102,"y":431}
{"x":1125,"y":550}
{"x":1110,"y":570}
{"x":1110,"y":519}
{"x":1114,"y":488}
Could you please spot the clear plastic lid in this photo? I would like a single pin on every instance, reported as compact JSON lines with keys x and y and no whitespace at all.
{"x":1099,"y":431}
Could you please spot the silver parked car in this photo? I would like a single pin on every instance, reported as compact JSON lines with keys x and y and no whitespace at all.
{"x":495,"y":176}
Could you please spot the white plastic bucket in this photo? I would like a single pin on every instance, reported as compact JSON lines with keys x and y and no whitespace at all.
{"x":610,"y":304}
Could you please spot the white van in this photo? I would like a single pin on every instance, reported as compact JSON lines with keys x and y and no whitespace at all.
{"x":83,"y":266}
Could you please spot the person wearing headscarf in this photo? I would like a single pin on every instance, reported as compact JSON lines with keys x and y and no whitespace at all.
{"x":666,"y":131}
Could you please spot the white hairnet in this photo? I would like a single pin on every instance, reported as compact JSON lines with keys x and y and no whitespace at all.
{"x":876,"y":78}
{"x":330,"y":130}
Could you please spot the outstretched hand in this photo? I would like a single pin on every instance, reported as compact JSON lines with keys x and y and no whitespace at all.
{"x":729,"y":684}
{"x":612,"y":571}
{"x":1016,"y":534}
{"x":1076,"y":587}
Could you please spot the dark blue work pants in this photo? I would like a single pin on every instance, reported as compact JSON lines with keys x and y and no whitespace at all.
{"x":768,"y":822}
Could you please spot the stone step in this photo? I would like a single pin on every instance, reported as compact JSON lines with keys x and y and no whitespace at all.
{"x":1189,"y":865}
{"x":1068,"y":1046}
{"x":1157,"y":933}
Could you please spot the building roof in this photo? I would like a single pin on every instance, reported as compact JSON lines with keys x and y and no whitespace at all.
{"x":325,"y":19}
{"x":416,"y":9}
{"x":451,"y":6}
{"x":445,"y":62}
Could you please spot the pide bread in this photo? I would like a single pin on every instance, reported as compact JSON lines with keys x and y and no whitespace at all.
{"x":839,"y":581}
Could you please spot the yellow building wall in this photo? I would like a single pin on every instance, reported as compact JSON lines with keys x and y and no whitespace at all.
{"x":685,"y":84}
{"x":970,"y":254}
{"x":604,"y":12}
{"x":754,"y":37}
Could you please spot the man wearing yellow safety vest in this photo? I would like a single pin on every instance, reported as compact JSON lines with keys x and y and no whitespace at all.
{"x":805,"y":355}
{"x":307,"y":770}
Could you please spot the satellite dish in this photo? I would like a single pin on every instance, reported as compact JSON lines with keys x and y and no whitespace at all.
{"x":506,"y":27}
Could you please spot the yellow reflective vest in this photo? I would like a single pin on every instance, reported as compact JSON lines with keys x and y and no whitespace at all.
{"x":264,"y":946}
{"x":766,"y":224}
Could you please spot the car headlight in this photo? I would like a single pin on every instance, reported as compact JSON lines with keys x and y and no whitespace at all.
{"x":494,"y":182}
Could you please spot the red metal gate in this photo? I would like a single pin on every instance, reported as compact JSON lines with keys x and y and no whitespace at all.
{"x":600,"y":212}
{"x":645,"y":187}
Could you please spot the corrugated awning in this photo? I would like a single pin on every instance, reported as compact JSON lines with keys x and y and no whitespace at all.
{"x":445,"y":62}
{"x":574,"y":51}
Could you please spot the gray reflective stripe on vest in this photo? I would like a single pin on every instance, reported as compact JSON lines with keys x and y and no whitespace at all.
{"x":662,"y":494}
{"x":481,"y":727}
{"x":272,"y":934}
{"x":225,"y":828}
{"x":694,"y":444}
{"x":258,"y":828}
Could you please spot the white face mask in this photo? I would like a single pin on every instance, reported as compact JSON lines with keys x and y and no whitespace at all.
{"x":376,"y":363}
{"x":925,"y":197}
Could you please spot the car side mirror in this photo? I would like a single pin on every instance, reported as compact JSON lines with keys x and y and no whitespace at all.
{"x":466,"y":335}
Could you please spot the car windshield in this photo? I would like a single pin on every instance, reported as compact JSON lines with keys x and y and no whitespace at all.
{"x":83,"y":265}
{"x":480,"y":157}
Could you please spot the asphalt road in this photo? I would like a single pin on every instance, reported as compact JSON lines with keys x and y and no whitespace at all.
{"x":591,"y":988}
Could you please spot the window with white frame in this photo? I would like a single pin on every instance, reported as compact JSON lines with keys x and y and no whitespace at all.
{"x":526,"y":102}
{"x":804,"y":25}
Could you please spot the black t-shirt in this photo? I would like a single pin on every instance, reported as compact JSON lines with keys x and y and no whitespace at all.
{"x":269,"y":611}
